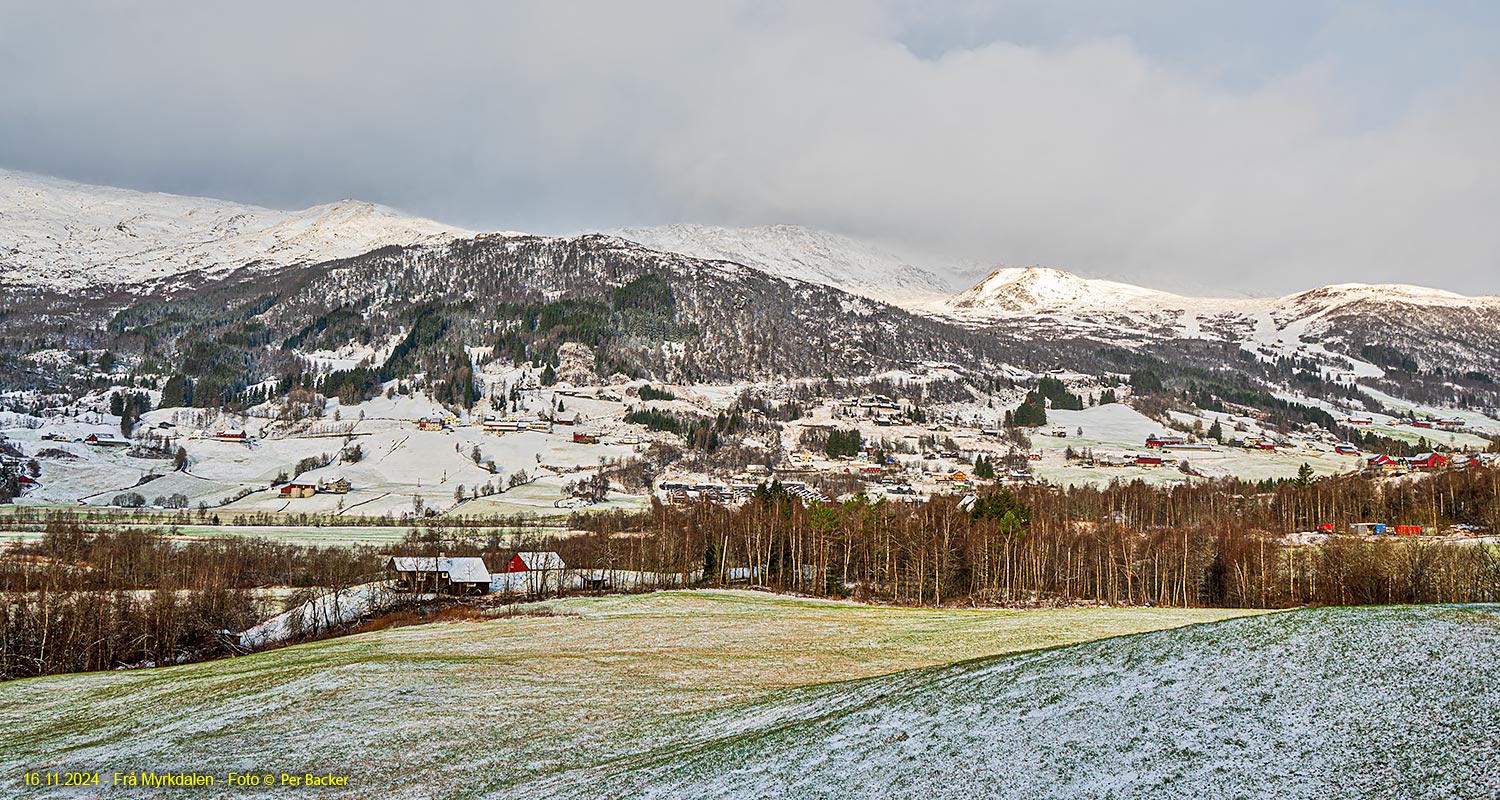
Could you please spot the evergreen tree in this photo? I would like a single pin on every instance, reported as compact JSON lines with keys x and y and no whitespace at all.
{"x":1032,"y":412}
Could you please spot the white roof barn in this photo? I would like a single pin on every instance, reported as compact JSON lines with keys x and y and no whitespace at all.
{"x":460,"y":569}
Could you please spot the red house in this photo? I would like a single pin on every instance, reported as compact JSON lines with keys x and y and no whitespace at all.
{"x":1428,"y":461}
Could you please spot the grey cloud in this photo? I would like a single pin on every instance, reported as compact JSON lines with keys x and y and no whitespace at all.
{"x":1110,"y":151}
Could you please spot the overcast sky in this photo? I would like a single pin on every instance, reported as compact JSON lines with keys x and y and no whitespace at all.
{"x":1248,"y":147}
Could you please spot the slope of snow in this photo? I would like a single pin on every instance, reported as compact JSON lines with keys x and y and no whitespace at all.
{"x":1028,"y":291}
{"x":59,"y":233}
{"x":792,"y":251}
{"x":1031,"y":288}
{"x":324,"y":612}
{"x":1333,"y":702}
{"x":1051,"y":302}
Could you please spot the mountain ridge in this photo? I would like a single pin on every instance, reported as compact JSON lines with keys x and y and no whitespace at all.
{"x":61,"y":233}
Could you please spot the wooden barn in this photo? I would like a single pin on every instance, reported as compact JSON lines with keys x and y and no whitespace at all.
{"x":535,"y":572}
{"x":299,"y":490}
{"x":539,"y":561}
{"x":439,"y":575}
{"x":1428,"y":461}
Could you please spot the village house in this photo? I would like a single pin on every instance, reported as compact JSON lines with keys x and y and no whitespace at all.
{"x":440,"y":575}
{"x":1427,"y":461}
{"x":106,"y":440}
{"x":339,"y":485}
{"x":1384,"y":465}
{"x":430,"y":424}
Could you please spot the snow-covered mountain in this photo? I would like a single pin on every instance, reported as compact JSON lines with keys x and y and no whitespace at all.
{"x":1038,"y":303}
{"x":1029,"y":289}
{"x":792,"y":251}
{"x":64,"y":234}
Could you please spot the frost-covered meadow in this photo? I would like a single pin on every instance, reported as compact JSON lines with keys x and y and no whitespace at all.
{"x":477,"y":709}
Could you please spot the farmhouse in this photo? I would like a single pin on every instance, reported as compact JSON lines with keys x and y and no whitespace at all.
{"x":1428,"y":461}
{"x":1383,"y":464}
{"x":1196,"y":446}
{"x":443,"y":574}
{"x":430,"y":424}
{"x":231,"y":436}
{"x":106,"y":440}
{"x":512,"y":423}
{"x":299,"y":490}
{"x":339,"y":485}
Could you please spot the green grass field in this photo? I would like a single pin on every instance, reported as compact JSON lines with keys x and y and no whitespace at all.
{"x":469,"y":709}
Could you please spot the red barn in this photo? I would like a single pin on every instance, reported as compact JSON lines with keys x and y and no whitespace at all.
{"x":1428,"y":461}
{"x":535,"y":562}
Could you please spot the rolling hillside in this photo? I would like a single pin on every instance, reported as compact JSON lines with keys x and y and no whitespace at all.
{"x":1338,"y":702}
{"x":477,"y":709}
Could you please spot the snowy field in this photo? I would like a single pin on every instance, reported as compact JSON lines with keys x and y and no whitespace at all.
{"x":1340,"y":702}
{"x":401,"y":468}
{"x":478,"y":709}
{"x":1119,"y":430}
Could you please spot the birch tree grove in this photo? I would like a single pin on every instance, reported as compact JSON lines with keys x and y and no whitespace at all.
{"x":1219,"y":544}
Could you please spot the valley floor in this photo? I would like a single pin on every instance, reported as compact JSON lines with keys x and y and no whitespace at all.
{"x":738,"y":694}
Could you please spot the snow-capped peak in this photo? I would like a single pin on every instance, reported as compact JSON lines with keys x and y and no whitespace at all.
{"x":1021,"y":289}
{"x":792,"y":251}
{"x":60,"y":233}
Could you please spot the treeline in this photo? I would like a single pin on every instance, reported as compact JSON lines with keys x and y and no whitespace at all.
{"x":1209,"y":544}
{"x":78,"y":600}
{"x":698,"y":432}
